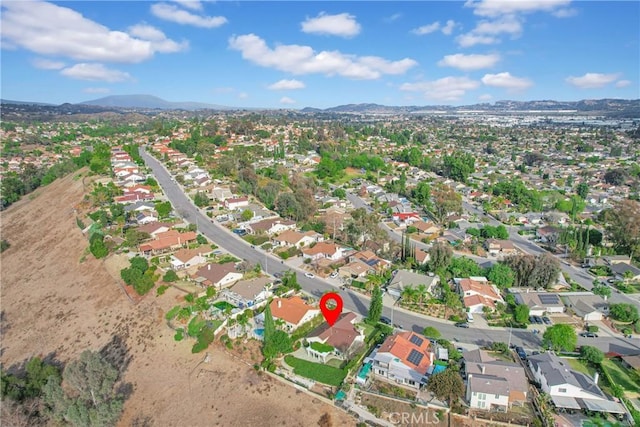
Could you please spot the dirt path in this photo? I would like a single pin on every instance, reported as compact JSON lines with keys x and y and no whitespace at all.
{"x":52,"y":303}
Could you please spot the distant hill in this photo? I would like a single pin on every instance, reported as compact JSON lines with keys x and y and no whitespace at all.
{"x":151,"y":102}
{"x":8,"y":101}
{"x":628,"y":107}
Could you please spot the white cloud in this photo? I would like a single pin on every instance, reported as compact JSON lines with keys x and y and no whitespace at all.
{"x":157,"y":38}
{"x":565,"y":13}
{"x":173,"y":13}
{"x":447,"y":29}
{"x":49,"y":29}
{"x":592,"y":80}
{"x":445,"y":89}
{"x":298,"y":59}
{"x":502,"y":7}
{"x":393,"y":17}
{"x":469,"y":39}
{"x":469,"y":62}
{"x":95,"y":72}
{"x":507,"y":81}
{"x":190,"y":4}
{"x":343,"y":25}
{"x":485,"y":97}
{"x":96,"y":90}
{"x":426,"y":29}
{"x":286,"y":85}
{"x":622,"y":83}
{"x":506,"y":24}
{"x":47,"y":64}
{"x":287,"y":100}
{"x":243,"y":95}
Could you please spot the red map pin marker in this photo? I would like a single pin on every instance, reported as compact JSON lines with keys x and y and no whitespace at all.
{"x":330,"y":312}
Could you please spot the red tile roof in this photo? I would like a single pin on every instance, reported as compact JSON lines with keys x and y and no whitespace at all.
{"x":400,"y":346}
{"x":291,"y":310}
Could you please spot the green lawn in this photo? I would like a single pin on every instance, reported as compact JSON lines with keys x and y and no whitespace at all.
{"x":620,"y":376}
{"x":580,"y":366}
{"x":316,"y":371}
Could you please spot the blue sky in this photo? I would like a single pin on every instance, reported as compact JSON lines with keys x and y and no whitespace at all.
{"x":321,"y":54}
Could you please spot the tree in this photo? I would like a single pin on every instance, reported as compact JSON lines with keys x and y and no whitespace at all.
{"x":446,"y":201}
{"x":246,"y":215}
{"x":521,"y":314}
{"x":201,"y":200}
{"x":163,"y":209}
{"x":431,"y":332}
{"x":560,"y":337}
{"x":134,"y":237}
{"x":440,"y":256}
{"x":500,"y":347}
{"x":446,"y":385}
{"x":582,"y":190}
{"x":170,"y":276}
{"x":375,"y":306}
{"x":93,"y":399}
{"x":201,"y":239}
{"x":624,"y":312}
{"x":275,"y":341}
{"x":623,"y":226}
{"x":97,"y":247}
{"x":591,"y":354}
{"x":501,"y":275}
{"x":602,"y":290}
{"x":615,"y":176}
{"x":464,"y":267}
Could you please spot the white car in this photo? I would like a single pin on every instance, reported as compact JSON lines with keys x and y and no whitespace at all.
{"x":334,"y":275}
{"x":309,"y":275}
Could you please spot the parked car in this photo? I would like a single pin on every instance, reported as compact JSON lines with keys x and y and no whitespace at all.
{"x":537,"y":319}
{"x":462,"y":325}
{"x":531,"y":320}
{"x":334,"y":275}
{"x":588,"y":335}
{"x":309,"y":275}
{"x":521,"y":353}
{"x":546,"y":320}
{"x":385,"y":320}
{"x":278,"y":275}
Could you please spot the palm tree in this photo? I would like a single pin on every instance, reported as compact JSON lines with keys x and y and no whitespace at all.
{"x":422,"y":293}
{"x":409,"y":293}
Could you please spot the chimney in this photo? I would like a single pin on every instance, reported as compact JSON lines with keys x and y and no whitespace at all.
{"x":596,"y":377}
{"x":482,"y":369}
{"x":208,"y":266}
{"x":279,"y":303}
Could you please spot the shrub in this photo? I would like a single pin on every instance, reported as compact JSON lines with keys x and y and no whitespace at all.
{"x":4,"y":245}
{"x":170,"y":276}
{"x":171,"y":314}
{"x":189,"y":297}
{"x":593,"y":328}
{"x":179,"y":335}
{"x":161,"y":290}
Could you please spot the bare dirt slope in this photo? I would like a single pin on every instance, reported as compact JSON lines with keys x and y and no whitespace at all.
{"x":53,"y":301}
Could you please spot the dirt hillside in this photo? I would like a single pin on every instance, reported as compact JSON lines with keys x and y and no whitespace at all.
{"x":56,"y":300}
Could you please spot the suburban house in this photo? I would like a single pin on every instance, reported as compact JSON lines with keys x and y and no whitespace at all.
{"x":624,"y":271}
{"x":570,"y":389}
{"x":293,"y":311}
{"x":248,"y":293}
{"x":403,"y":358}
{"x":321,"y":250}
{"x":371,"y":259}
{"x":500,"y":248}
{"x":155,"y":228}
{"x":402,"y":218}
{"x":548,"y":234}
{"x":140,"y":206}
{"x":587,"y":306}
{"x":295,"y":238}
{"x":220,"y":194}
{"x":185,"y":258}
{"x":271,"y":226}
{"x":356,"y":269}
{"x":492,"y":383}
{"x":402,"y":279}
{"x":631,"y":362}
{"x":343,"y":336}
{"x":217,"y":275}
{"x":167,"y":241}
{"x":145,"y":217}
{"x":539,"y":303}
{"x":477,"y":293}
{"x":422,"y":257}
{"x":428,"y":228}
{"x":236,"y":203}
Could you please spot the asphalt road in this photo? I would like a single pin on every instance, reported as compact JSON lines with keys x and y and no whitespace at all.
{"x":353,"y":301}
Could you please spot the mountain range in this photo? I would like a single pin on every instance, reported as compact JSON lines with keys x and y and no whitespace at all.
{"x":615,"y":107}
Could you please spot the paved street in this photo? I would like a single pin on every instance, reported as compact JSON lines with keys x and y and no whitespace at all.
{"x":353,"y":301}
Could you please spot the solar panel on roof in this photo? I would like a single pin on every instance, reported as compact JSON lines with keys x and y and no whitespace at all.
{"x":548,"y":298}
{"x":416,"y":340}
{"x":415,"y":357}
